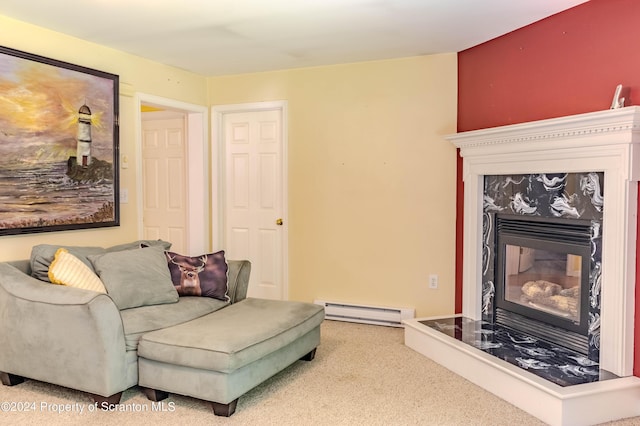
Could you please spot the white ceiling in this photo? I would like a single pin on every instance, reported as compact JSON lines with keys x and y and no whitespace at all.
{"x":217,"y":37}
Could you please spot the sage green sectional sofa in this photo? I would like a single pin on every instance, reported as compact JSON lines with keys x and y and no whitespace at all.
{"x":139,"y":332}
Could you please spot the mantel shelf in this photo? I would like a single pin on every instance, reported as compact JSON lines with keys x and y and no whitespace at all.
{"x":595,"y":128}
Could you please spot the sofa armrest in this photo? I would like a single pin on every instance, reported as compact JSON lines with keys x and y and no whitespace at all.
{"x":238,"y":279}
{"x":61,"y":335}
{"x":23,"y":264}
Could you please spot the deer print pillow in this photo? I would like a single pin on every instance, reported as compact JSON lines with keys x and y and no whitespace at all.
{"x":204,"y":275}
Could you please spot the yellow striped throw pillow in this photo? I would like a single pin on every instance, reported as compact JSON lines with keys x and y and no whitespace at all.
{"x":66,"y":269}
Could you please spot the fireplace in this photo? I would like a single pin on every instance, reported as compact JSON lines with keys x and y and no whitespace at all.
{"x":511,"y":172}
{"x":542,"y":278}
{"x":542,"y":256}
{"x":603,"y":144}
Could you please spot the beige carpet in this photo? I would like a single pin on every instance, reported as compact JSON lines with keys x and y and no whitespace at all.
{"x":362,"y":375}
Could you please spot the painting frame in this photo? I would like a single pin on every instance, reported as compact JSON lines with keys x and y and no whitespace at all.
{"x":59,"y":145}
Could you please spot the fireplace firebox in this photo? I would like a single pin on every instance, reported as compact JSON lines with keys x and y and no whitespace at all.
{"x":542,"y":278}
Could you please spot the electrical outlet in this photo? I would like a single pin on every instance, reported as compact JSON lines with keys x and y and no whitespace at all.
{"x":433,"y":281}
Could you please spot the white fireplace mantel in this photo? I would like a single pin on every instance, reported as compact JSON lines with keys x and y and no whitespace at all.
{"x":605,"y":141}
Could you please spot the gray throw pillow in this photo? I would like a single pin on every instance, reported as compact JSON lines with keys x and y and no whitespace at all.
{"x":137,"y":277}
{"x":42,"y":255}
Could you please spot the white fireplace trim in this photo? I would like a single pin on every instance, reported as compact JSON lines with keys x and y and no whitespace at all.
{"x":601,"y":141}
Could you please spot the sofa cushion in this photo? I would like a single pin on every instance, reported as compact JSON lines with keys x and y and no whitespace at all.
{"x":138,"y":321}
{"x":42,"y":254}
{"x":204,"y":275}
{"x":136,"y":277}
{"x":233,"y":337}
{"x":66,"y":269}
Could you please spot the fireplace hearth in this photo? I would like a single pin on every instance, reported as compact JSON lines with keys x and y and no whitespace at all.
{"x":557,"y":364}
{"x":566,"y":168}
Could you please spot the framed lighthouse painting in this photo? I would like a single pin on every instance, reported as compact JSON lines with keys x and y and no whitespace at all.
{"x":58,"y":145}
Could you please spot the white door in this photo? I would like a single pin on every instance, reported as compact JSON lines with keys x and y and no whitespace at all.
{"x":253,"y":197}
{"x":164,"y":182}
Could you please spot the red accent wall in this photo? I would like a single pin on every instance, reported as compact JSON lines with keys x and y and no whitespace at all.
{"x":569,"y":63}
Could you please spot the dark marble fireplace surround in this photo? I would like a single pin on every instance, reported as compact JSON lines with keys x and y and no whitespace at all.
{"x":557,"y":196}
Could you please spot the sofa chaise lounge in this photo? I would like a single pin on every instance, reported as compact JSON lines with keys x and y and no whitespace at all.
{"x":103,"y":343}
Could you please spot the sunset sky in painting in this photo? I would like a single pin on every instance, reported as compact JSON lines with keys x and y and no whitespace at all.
{"x":39,"y":106}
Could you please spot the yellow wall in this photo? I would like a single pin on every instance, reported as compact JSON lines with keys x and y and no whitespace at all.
{"x":371,"y":179}
{"x":137,"y":74}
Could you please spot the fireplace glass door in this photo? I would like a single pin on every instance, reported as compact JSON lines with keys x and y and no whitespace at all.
{"x":544,"y":280}
{"x":542,"y":275}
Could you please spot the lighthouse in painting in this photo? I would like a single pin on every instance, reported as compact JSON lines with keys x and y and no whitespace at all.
{"x":83,"y":156}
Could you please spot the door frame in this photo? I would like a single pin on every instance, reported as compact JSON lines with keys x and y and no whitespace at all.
{"x":197,"y":130}
{"x":218,"y":171}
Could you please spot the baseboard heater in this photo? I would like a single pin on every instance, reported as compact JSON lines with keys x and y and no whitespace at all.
{"x":365,"y":314}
